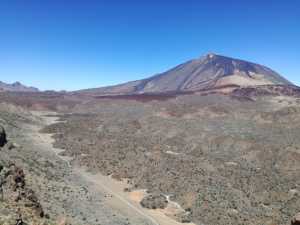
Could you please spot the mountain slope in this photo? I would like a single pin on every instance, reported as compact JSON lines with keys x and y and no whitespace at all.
{"x":16,"y":87}
{"x":209,"y":71}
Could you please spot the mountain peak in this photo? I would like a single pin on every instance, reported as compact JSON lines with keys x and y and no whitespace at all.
{"x":211,"y":55}
{"x":16,"y":87}
{"x":209,"y":71}
{"x":17,"y":83}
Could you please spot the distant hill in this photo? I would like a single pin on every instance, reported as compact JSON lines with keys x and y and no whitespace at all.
{"x":209,"y":71}
{"x":16,"y":87}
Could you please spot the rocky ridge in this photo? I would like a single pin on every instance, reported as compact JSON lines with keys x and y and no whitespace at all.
{"x":16,"y":87}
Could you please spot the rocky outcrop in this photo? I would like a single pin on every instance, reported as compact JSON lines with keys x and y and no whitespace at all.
{"x":18,"y":178}
{"x":3,"y":139}
{"x":18,"y":194}
{"x":184,"y":217}
{"x":296,"y":220}
{"x":25,"y":194}
{"x":154,"y":201}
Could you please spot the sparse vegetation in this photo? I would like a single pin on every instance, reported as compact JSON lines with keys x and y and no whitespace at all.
{"x":223,"y":159}
{"x":239,"y":164}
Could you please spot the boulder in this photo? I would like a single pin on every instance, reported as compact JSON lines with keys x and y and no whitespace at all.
{"x":155,"y":201}
{"x":63,"y":221}
{"x":183,"y":217}
{"x":33,"y":202}
{"x":296,"y":220}
{"x":19,"y":178}
{"x":3,"y":139}
{"x":12,"y":145}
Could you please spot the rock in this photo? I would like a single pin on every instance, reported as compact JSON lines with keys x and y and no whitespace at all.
{"x":293,"y":193}
{"x":155,"y":201}
{"x":63,"y":221}
{"x":33,"y":202}
{"x":184,"y":217}
{"x":19,"y":178}
{"x":231,"y":164}
{"x":127,"y":190}
{"x":232,"y":212}
{"x":3,"y":139}
{"x":296,"y":220}
{"x":12,"y":145}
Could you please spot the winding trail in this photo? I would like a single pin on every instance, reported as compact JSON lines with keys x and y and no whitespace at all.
{"x":104,"y":185}
{"x":93,"y":178}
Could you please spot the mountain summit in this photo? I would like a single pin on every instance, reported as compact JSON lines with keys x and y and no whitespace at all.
{"x":209,"y":71}
{"x":16,"y":87}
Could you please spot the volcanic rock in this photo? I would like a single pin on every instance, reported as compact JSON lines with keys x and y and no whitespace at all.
{"x":207,"y":72}
{"x":296,"y":220}
{"x":154,"y":201}
{"x":3,"y":139}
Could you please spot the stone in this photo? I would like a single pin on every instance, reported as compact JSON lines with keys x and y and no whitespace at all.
{"x":296,"y":219}
{"x":154,"y":201}
{"x":3,"y":139}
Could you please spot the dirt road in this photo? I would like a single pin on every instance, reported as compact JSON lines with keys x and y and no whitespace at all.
{"x":113,"y":191}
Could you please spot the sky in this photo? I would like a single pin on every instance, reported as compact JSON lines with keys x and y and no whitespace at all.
{"x":77,"y":44}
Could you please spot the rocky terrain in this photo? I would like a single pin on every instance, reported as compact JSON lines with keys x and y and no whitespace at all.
{"x":39,"y":187}
{"x":226,"y":159}
{"x":19,"y":202}
{"x":156,"y":201}
{"x":216,"y":148}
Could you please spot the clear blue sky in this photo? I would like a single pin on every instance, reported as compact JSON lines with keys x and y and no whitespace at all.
{"x":73,"y":44}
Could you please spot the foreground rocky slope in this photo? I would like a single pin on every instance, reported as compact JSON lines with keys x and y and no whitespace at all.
{"x":47,"y":191}
{"x":19,"y":203}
